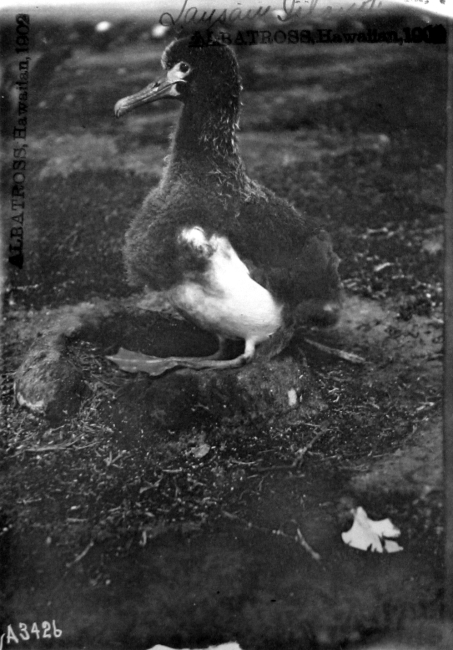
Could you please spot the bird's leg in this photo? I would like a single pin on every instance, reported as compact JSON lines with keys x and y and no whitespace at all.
{"x":222,"y":351}
{"x":221,"y":364}
{"x":155,"y":366}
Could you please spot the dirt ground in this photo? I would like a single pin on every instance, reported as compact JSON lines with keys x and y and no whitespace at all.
{"x":129,"y":528}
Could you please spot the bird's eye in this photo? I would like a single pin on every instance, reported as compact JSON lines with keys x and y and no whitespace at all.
{"x":184,"y":67}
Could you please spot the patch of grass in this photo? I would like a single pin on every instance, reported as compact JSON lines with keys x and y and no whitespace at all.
{"x":75,"y":235}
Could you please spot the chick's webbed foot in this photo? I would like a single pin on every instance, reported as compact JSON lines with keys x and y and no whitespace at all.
{"x":155,"y":366}
{"x":137,"y":362}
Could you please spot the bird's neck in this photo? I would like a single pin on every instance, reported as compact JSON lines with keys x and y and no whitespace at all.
{"x":205,"y":144}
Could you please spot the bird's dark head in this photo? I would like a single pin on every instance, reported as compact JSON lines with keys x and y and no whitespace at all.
{"x":194,"y":73}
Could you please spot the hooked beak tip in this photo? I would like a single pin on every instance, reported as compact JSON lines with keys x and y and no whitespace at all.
{"x":119,"y":109}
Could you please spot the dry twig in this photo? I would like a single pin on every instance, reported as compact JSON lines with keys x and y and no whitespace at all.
{"x":334,"y":352}
{"x":81,"y":555}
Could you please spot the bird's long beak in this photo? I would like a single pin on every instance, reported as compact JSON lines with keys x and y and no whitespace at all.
{"x":166,"y":86}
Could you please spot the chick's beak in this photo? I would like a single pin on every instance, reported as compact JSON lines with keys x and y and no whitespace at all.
{"x":166,"y":86}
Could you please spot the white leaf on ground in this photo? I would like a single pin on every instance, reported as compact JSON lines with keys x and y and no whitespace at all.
{"x":392,"y":546}
{"x":369,"y":535}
